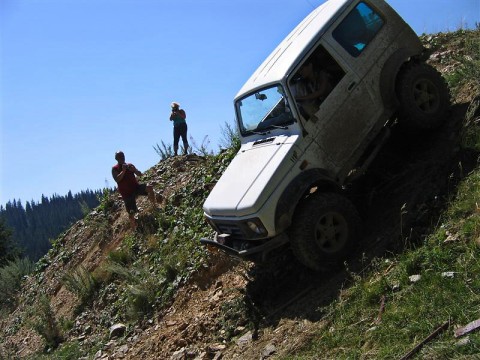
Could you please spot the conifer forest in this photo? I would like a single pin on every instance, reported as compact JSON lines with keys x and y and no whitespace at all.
{"x":28,"y":229}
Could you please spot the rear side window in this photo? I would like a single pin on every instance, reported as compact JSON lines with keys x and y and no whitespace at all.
{"x":359,"y":28}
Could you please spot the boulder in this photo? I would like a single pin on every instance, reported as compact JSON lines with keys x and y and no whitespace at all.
{"x":117,"y":330}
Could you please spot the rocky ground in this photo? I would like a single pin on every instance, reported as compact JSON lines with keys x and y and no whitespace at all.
{"x":398,"y":198}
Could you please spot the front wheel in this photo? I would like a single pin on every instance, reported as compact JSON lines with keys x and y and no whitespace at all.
{"x":325,"y":228}
{"x":424,"y":97}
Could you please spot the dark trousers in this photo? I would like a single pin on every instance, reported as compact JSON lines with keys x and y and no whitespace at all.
{"x":180,"y":131}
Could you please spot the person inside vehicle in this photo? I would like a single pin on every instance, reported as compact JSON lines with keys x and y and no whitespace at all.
{"x":312,"y":88}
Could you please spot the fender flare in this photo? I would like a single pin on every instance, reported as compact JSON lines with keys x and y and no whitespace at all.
{"x":389,"y":73}
{"x":296,"y":190}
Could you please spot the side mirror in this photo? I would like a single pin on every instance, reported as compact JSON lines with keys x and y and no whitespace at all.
{"x":261,"y":97}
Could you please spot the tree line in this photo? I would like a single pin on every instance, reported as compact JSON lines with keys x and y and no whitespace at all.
{"x":28,"y":230}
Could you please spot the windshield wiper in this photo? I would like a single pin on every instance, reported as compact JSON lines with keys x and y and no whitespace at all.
{"x":259,"y":133}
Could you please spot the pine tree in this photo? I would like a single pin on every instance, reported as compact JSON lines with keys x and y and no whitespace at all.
{"x":8,"y":251}
{"x":34,"y":226}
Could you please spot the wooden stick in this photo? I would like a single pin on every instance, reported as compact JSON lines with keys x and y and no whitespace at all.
{"x":412,"y":352}
{"x":381,"y":310}
{"x":467,"y":328}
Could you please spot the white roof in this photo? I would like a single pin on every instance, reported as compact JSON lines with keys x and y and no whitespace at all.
{"x":281,"y":60}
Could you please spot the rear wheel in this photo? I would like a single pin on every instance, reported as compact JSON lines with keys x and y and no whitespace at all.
{"x":325,"y":229}
{"x":424,"y":97}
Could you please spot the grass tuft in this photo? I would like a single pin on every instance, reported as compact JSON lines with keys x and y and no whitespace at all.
{"x":82,"y":283}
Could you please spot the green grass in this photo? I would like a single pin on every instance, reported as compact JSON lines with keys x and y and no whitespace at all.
{"x":468,"y":56}
{"x":412,"y":310}
{"x":67,"y":351}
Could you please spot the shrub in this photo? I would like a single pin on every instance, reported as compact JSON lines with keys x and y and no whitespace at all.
{"x":106,"y":200}
{"x":469,"y":60}
{"x":67,"y":351}
{"x":10,"y":279}
{"x":470,"y":133}
{"x":82,"y":283}
{"x":230,"y":137}
{"x":120,"y":256}
{"x":144,"y":289}
{"x":165,"y":151}
{"x":201,"y":149}
{"x":8,"y":250}
{"x":44,"y":323}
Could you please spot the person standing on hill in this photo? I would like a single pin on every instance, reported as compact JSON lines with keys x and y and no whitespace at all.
{"x":179,"y":117}
{"x":124,"y":175}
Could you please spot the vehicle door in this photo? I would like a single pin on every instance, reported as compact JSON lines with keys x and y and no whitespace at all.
{"x":364,"y":40}
{"x":351,"y":112}
{"x":340,"y":119}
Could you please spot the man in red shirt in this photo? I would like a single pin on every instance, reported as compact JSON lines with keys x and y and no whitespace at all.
{"x":125,"y":176}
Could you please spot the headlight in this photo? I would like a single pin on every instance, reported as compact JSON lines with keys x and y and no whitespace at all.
{"x":256,"y":226}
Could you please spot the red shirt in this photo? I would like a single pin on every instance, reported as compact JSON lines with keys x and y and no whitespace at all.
{"x":127,"y":186}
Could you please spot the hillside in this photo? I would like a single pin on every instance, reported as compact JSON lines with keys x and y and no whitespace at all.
{"x":172,"y":299}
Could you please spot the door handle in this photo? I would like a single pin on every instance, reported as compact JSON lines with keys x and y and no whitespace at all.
{"x":351,"y":86}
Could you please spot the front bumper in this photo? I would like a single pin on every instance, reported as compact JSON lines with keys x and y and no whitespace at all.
{"x":243,"y":249}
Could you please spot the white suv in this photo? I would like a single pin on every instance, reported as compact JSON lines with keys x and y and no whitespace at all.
{"x":311,"y":118}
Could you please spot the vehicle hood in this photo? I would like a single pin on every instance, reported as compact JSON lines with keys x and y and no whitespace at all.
{"x":252,"y":176}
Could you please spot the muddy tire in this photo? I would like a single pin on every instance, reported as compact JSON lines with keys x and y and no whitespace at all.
{"x":324,"y":231}
{"x":424,"y":97}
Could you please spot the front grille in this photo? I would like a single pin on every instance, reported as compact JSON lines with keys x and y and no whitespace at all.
{"x":231,"y":229}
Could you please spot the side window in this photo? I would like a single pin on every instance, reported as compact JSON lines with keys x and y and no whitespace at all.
{"x":314,"y":81}
{"x":358,"y":29}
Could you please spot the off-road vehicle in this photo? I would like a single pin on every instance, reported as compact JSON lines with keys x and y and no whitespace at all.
{"x":311,"y":118}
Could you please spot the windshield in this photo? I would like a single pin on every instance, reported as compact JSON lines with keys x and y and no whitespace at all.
{"x":263,"y":110}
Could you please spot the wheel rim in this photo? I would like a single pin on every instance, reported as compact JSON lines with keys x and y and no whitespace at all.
{"x":331,"y":232}
{"x":426,"y":96}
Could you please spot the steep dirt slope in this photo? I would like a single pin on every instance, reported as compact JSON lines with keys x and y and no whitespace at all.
{"x":234,"y":310}
{"x":86,"y":244}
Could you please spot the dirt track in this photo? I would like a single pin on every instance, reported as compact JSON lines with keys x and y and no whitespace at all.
{"x":399,"y":199}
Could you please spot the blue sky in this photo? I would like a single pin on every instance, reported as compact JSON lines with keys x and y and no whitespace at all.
{"x":80,"y":79}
